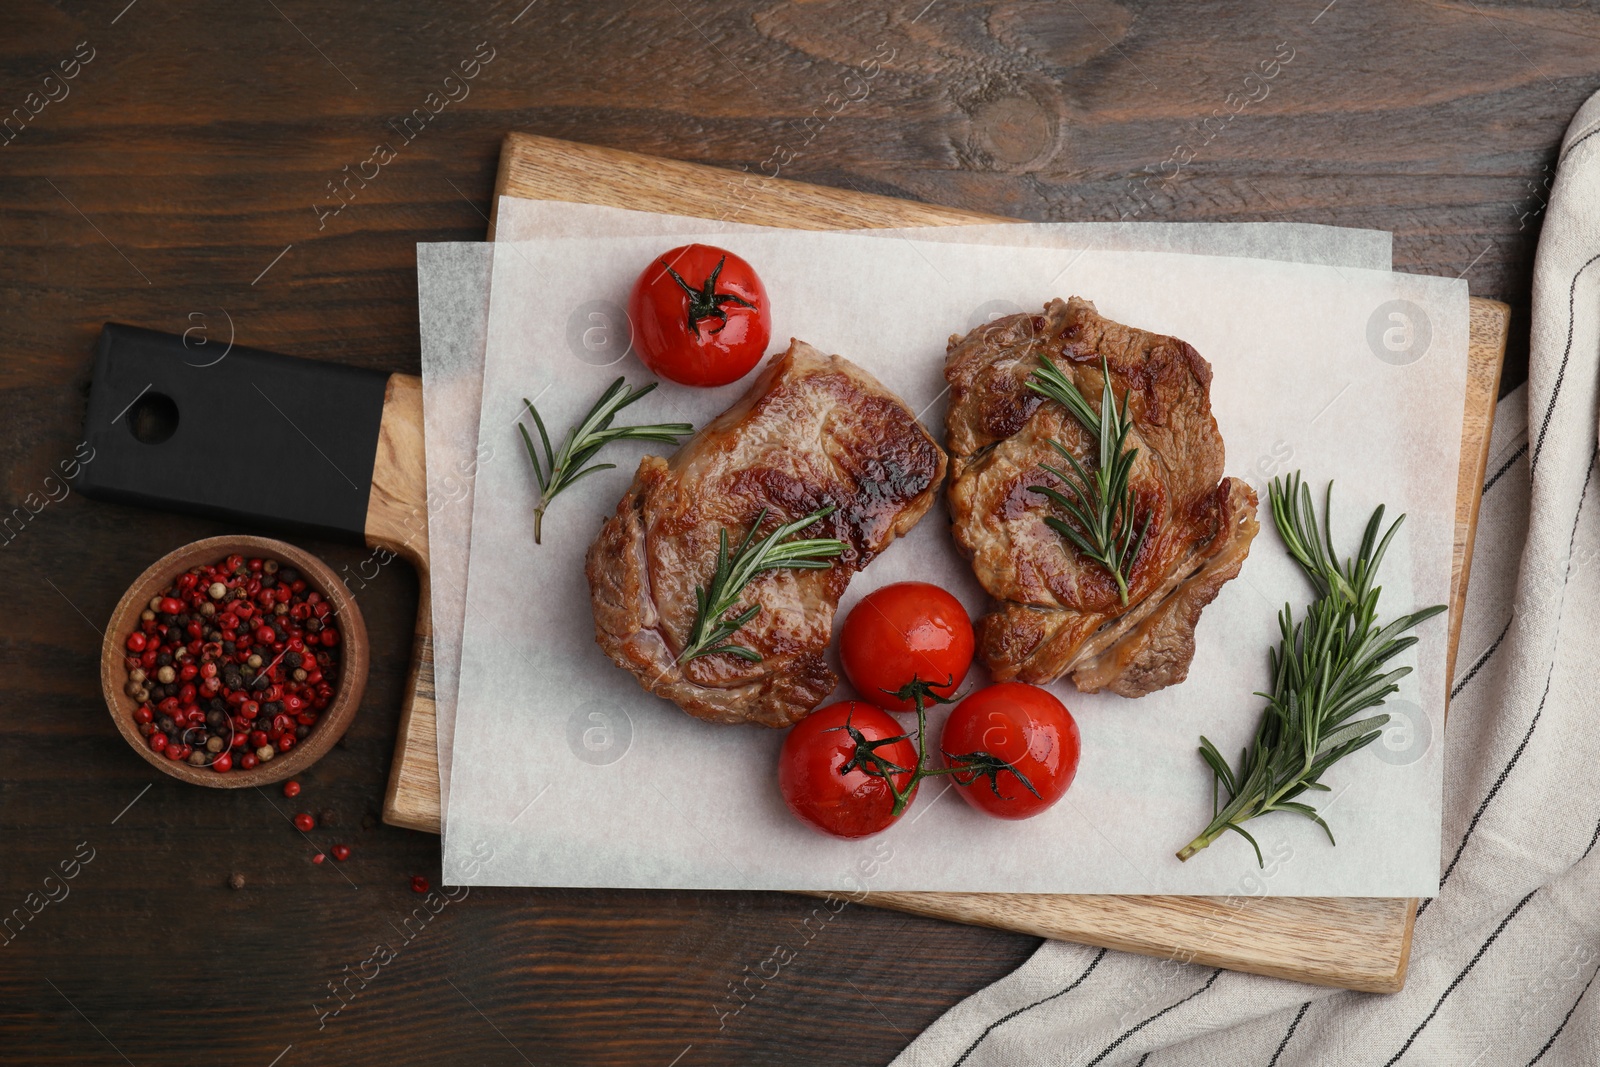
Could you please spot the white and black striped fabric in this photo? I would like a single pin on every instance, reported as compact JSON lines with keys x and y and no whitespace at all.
{"x":1504,"y":959}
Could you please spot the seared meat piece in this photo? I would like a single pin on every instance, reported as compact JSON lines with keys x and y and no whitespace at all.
{"x":1060,"y":613}
{"x":813,"y":430}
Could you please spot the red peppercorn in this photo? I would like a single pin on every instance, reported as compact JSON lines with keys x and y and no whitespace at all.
{"x":222,"y":763}
{"x":419,"y":884}
{"x":240,"y":739}
{"x":330,"y":637}
{"x":248,"y":761}
{"x":249,"y":709}
{"x":264,"y":635}
{"x":285,"y":742}
{"x":143,"y":714}
{"x":304,"y":822}
{"x":340,"y":852}
{"x":176,"y":752}
{"x":318,"y":858}
{"x":158,"y":741}
{"x":136,"y":642}
{"x":258,"y":738}
{"x":291,"y":788}
{"x":171,"y":605}
{"x":147,"y":658}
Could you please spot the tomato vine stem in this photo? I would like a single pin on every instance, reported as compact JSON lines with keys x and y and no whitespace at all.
{"x":974,"y":765}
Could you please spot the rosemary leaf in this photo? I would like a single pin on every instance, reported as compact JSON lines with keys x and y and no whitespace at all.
{"x":1327,"y":669}
{"x":735,"y":570}
{"x":562,"y":468}
{"x":1101,"y":509}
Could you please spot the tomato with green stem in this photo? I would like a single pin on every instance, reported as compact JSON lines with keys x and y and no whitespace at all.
{"x":905,"y":632}
{"x":700,"y":316}
{"x":844,"y":768}
{"x":1014,"y":747}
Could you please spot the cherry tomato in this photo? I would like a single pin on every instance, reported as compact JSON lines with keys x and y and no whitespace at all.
{"x":700,"y":316}
{"x":905,"y":630}
{"x":852,"y":804}
{"x":1028,"y":728}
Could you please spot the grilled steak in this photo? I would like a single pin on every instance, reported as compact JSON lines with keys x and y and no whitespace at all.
{"x":813,"y":431}
{"x":1060,"y":613}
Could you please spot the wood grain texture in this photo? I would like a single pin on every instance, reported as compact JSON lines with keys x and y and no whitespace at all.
{"x":1488,"y":322}
{"x":397,"y":523}
{"x":177,"y":188}
{"x":1358,"y":944}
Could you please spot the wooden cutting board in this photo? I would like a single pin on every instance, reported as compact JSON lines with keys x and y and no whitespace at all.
{"x":1355,"y":943}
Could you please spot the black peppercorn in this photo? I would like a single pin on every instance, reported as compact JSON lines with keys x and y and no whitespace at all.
{"x":165,"y":724}
{"x":288,"y":574}
{"x":216,"y":720}
{"x":268,"y":581}
{"x":236,"y":881}
{"x":164,"y":659}
{"x":302,"y":732}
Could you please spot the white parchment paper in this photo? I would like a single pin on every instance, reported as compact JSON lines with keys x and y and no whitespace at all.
{"x":576,"y":777}
{"x":453,"y":306}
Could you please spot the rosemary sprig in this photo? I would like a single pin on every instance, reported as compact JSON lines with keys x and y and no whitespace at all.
{"x":1326,"y":669}
{"x":564,"y":467}
{"x":712,"y":627}
{"x":1101,"y":504}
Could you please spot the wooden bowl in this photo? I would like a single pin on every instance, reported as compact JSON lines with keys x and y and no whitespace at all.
{"x":158,"y":577}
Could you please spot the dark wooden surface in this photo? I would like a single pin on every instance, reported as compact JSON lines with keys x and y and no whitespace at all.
{"x":192,"y":150}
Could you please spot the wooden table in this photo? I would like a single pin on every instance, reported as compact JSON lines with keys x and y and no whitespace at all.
{"x":182,"y":182}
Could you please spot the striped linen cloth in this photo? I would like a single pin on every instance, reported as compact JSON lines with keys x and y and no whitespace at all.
{"x":1504,"y":957}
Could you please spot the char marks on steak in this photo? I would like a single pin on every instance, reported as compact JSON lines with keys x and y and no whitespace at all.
{"x":813,"y":430}
{"x":1060,"y":613}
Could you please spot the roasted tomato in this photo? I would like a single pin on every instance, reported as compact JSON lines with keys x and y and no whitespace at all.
{"x":700,"y":316}
{"x":1022,"y":745}
{"x":906,"y":630}
{"x":854,"y":803}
